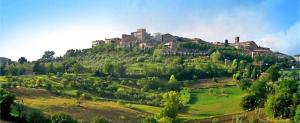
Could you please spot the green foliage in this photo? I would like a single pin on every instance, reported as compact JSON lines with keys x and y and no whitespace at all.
{"x":36,"y":117}
{"x":6,"y":100}
{"x":22,"y":60}
{"x":48,"y":56}
{"x":185,"y":96}
{"x":244,"y":83}
{"x":234,"y":65}
{"x":250,"y":102}
{"x":194,"y":46}
{"x":297,"y":115}
{"x":273,"y":72}
{"x":237,"y":75}
{"x":165,"y":120}
{"x":285,"y":100}
{"x":62,"y":118}
{"x":149,"y":83}
{"x":216,"y":56}
{"x":258,"y":93}
{"x":173,"y":83}
{"x":172,"y":104}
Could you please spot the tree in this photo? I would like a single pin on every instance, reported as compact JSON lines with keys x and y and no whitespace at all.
{"x":119,"y":69}
{"x":185,"y":96}
{"x":250,"y":102}
{"x":279,"y":105}
{"x":36,"y":117}
{"x":20,"y":108}
{"x":22,"y":60}
{"x":6,"y":100}
{"x":234,"y":66}
{"x":172,"y":104}
{"x":226,"y":43}
{"x":254,"y":73}
{"x":62,"y":118}
{"x":216,"y":56}
{"x":244,"y":83}
{"x":165,"y":120}
{"x":273,"y":72}
{"x":77,"y":68}
{"x":108,"y":67}
{"x":48,"y":56}
{"x":39,"y":67}
{"x":297,"y":115}
{"x":173,"y":83}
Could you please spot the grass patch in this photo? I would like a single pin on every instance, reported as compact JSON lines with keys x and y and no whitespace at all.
{"x":215,"y":101}
{"x":3,"y":79}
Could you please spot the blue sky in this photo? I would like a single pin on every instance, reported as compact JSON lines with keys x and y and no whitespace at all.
{"x":29,"y":27}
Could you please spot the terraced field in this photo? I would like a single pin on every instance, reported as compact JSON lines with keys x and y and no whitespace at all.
{"x":49,"y":103}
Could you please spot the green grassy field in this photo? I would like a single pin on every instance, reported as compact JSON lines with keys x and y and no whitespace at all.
{"x":215,"y":101}
{"x":206,"y":103}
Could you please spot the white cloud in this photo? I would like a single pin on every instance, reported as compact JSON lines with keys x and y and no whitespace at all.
{"x":284,"y":41}
{"x":244,"y":22}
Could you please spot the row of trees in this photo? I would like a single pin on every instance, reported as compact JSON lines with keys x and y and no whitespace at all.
{"x":280,"y":98}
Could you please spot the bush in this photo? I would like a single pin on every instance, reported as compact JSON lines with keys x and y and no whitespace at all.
{"x":62,"y":118}
{"x":249,"y":102}
{"x":244,"y":83}
{"x":36,"y":117}
{"x":297,"y":115}
{"x":6,"y":100}
{"x":185,"y":96}
{"x":165,"y":120}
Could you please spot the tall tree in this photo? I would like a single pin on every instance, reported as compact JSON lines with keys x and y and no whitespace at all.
{"x":273,"y":73}
{"x":48,"y":56}
{"x":172,"y":104}
{"x":22,"y":60}
{"x":216,"y":56}
{"x":6,"y":100}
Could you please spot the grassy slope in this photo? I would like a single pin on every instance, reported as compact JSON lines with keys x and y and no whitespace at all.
{"x":42,"y":99}
{"x":206,"y":104}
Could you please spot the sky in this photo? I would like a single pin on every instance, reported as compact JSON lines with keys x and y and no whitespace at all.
{"x":30,"y":27}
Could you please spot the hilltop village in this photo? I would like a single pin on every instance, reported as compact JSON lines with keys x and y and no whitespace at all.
{"x":144,"y":40}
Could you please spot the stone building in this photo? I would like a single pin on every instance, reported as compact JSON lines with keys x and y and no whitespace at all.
{"x":297,"y":57}
{"x":157,"y":37}
{"x":4,"y":60}
{"x":113,"y":40}
{"x":97,"y":42}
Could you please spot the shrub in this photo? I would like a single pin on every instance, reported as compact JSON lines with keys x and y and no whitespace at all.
{"x":249,"y":102}
{"x":36,"y":117}
{"x":165,"y":120}
{"x":62,"y":118}
{"x":297,"y":115}
{"x":6,"y":99}
{"x":244,"y":83}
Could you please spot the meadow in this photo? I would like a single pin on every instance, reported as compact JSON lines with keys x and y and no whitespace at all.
{"x":48,"y":103}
